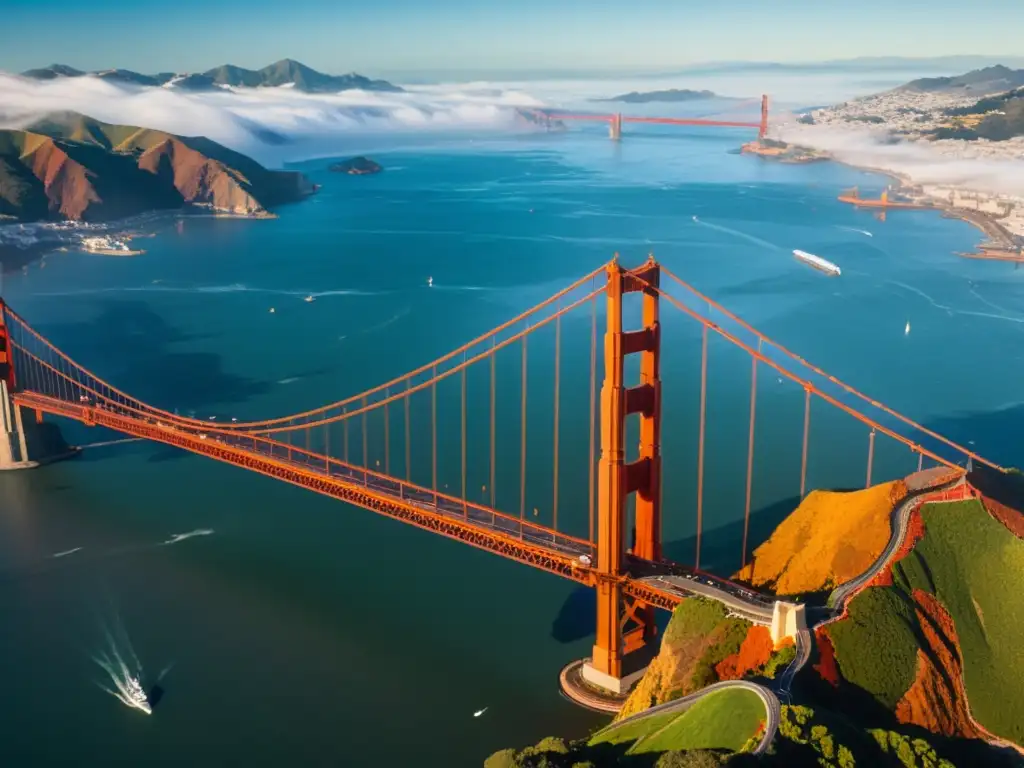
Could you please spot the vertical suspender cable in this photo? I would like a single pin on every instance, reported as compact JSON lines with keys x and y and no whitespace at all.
{"x":700,"y":443}
{"x":592,"y":414}
{"x":558,"y":347}
{"x":750,"y":451}
{"x":366,"y":451}
{"x":871,"y":456}
{"x":387,"y":432}
{"x":408,"y":436}
{"x":433,"y":433}
{"x":807,"y":430}
{"x":494,"y":355}
{"x":345,"y":436}
{"x":522,"y":444}
{"x":464,"y":510}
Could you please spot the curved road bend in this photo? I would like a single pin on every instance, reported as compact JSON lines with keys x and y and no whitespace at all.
{"x":900,"y":520}
{"x":768,"y":698}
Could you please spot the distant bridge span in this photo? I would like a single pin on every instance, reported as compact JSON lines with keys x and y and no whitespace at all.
{"x":616,"y":120}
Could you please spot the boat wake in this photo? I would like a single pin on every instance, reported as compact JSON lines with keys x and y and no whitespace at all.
{"x":854,"y":229}
{"x":66,"y":552}
{"x":737,"y":233}
{"x":123,"y":669}
{"x":175,"y":538}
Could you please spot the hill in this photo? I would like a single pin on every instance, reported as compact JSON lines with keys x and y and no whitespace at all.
{"x":935,"y":641}
{"x":996,"y":118}
{"x":670,"y":95}
{"x":703,"y":645}
{"x":69,"y":166}
{"x":284,"y":72}
{"x":982,"y":82}
{"x":831,"y":538}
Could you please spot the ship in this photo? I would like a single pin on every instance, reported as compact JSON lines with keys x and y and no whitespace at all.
{"x":818,"y":263}
{"x":137,"y":696}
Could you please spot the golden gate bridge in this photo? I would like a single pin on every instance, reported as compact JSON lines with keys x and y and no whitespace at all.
{"x":615,"y":121}
{"x":379,"y":449}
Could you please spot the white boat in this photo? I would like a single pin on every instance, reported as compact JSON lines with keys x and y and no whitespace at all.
{"x":818,"y":263}
{"x":430,"y":282}
{"x":309,"y":299}
{"x":906,"y":331}
{"x":137,"y":696}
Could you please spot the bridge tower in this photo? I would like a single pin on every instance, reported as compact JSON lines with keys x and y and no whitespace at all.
{"x":13,"y":444}
{"x":763,"y":130}
{"x":625,"y":626}
{"x":16,"y":435}
{"x":615,"y":127}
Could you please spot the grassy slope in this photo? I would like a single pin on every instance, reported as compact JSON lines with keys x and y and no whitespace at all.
{"x":722,"y":720}
{"x":975,"y":566}
{"x":876,"y":646}
{"x":829,"y":539}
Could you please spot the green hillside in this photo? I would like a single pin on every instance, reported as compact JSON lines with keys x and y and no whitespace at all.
{"x":724,"y":720}
{"x":972,"y":567}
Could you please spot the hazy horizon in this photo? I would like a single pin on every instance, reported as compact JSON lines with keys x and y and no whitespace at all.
{"x":469,"y":35}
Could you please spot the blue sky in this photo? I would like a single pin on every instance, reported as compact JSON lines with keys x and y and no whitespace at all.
{"x":374,"y":36}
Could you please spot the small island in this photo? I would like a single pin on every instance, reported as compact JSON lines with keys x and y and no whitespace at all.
{"x":670,"y":95}
{"x":357,"y":166}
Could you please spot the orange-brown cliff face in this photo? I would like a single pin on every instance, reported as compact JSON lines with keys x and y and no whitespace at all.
{"x":937,"y":700}
{"x":87,"y":170}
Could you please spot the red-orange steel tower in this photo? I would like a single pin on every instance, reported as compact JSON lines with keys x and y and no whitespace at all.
{"x":6,"y":356}
{"x":625,"y":626}
{"x":763,"y":130}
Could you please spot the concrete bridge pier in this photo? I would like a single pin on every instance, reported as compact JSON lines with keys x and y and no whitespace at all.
{"x":27,"y":444}
{"x":13,"y":440}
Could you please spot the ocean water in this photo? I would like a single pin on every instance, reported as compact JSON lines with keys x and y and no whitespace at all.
{"x":298,"y":629}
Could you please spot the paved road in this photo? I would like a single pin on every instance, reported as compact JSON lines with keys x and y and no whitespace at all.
{"x":900,"y":520}
{"x":768,"y":698}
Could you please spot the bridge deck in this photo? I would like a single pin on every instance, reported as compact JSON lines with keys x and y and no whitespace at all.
{"x":661,"y":584}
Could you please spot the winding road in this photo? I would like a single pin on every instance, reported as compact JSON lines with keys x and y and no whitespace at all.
{"x":771,"y":704}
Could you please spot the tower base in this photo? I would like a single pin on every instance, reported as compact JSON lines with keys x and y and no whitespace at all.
{"x":28,"y":445}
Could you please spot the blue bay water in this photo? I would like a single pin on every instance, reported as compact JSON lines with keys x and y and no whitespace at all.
{"x":302,"y":629}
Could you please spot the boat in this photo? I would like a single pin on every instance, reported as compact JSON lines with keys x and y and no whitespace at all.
{"x":818,"y":263}
{"x":906,"y":331}
{"x":430,"y":282}
{"x":309,"y":299}
{"x":137,"y":696}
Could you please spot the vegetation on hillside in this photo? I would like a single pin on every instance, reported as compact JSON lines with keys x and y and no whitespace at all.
{"x":949,"y":619}
{"x":807,"y":736}
{"x":703,"y":645}
{"x":724,"y":720}
{"x":70,"y":166}
{"x":831,"y":538}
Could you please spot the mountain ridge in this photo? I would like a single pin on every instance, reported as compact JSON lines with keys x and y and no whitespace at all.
{"x":71,"y":166}
{"x":279,"y":73}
